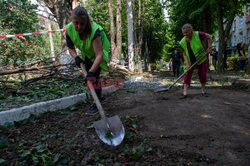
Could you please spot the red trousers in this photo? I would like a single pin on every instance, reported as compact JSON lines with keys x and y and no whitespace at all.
{"x":202,"y":72}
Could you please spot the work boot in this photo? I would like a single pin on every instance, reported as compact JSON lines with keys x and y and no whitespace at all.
{"x":183,"y":96}
{"x":92,"y":110}
{"x":204,"y":94}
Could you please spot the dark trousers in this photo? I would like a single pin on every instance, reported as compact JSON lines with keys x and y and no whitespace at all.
{"x":96,"y":80}
{"x":214,"y":63}
{"x":241,"y":65}
{"x":176,"y":69}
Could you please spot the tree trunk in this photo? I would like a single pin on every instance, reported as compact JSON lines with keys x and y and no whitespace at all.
{"x":223,"y":35}
{"x":140,"y":40}
{"x":206,"y":28}
{"x":136,"y":43}
{"x":50,"y":37}
{"x":118,"y":29}
{"x":112,"y":30}
{"x":248,"y":58}
{"x":147,"y":57}
{"x":206,"y":20}
{"x":130,"y":36}
{"x":62,"y":11}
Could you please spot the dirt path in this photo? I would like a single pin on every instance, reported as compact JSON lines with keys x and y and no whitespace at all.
{"x":217,"y":127}
{"x":160,"y":130}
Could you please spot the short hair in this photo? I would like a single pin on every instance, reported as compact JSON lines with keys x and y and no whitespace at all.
{"x":82,"y":12}
{"x":187,"y":26}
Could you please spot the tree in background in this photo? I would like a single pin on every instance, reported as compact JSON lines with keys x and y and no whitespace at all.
{"x":154,"y":31}
{"x":62,"y":11}
{"x":226,"y":10}
{"x":118,"y":29}
{"x":112,"y":30}
{"x":138,"y":32}
{"x":19,"y":16}
{"x":130,"y":36}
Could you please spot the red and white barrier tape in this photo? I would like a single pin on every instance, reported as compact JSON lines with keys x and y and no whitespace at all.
{"x":34,"y":33}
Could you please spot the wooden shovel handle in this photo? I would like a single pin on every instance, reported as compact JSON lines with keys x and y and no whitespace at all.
{"x":93,"y":94}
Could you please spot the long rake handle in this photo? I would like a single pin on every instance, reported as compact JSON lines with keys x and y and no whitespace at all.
{"x":191,"y":67}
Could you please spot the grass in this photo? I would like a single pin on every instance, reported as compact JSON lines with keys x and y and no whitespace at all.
{"x":17,"y":95}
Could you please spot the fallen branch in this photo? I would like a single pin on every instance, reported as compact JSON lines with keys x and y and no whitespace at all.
{"x":120,"y":68}
{"x":50,"y":76}
{"x":8,"y":81}
{"x":7,"y":72}
{"x":27,"y":82}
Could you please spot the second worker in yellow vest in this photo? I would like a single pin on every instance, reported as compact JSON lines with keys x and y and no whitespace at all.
{"x":192,"y":49}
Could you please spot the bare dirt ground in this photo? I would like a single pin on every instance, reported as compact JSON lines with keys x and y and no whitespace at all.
{"x":160,"y":129}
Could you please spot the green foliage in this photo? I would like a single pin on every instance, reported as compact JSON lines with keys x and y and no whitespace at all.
{"x":19,"y":16}
{"x":38,"y":154}
{"x":201,"y":14}
{"x":98,"y":12}
{"x":39,"y":92}
{"x":108,"y":134}
{"x":171,"y":42}
{"x":137,"y":152}
{"x":155,"y":28}
{"x":153,"y":22}
{"x":3,"y":142}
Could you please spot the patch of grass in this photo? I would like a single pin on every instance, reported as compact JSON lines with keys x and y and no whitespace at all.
{"x":17,"y":95}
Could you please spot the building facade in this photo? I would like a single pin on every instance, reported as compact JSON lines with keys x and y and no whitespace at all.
{"x":240,"y":31}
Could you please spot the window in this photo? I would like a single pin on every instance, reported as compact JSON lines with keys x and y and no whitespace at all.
{"x":241,"y":22}
{"x":241,"y":37}
{"x":234,"y":25}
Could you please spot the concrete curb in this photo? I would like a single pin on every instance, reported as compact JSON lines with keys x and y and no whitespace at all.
{"x":18,"y":114}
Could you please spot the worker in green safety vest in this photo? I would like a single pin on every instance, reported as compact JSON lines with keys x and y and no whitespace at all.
{"x":192,"y":49}
{"x":92,"y":41}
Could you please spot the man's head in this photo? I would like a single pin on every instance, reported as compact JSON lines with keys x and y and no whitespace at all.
{"x":81,"y":21}
{"x":187,"y":30}
{"x":176,"y":51}
{"x":240,"y":45}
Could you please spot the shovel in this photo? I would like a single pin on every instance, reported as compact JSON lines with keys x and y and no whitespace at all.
{"x":168,"y":88}
{"x":110,"y":130}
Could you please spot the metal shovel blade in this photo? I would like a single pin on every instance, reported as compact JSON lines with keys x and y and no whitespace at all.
{"x":116,"y":130}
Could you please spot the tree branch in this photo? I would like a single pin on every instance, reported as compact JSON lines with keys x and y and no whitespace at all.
{"x":7,"y":72}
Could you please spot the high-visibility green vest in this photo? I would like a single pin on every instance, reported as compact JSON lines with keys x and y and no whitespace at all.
{"x":85,"y":46}
{"x":196,"y":47}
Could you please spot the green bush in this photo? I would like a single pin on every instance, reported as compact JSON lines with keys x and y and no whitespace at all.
{"x":232,"y":62}
{"x":17,"y":17}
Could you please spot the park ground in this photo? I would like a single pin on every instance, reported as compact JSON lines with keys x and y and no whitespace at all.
{"x":161,"y":129}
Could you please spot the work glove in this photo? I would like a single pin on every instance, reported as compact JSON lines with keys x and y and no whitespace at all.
{"x":78,"y":61}
{"x":90,"y":76}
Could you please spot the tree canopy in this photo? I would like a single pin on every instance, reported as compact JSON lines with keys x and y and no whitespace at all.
{"x":19,"y":16}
